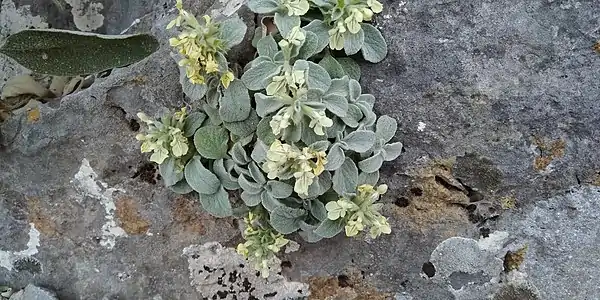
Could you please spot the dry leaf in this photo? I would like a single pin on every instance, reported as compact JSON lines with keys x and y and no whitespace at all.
{"x":24,"y":85}
{"x":58,"y":84}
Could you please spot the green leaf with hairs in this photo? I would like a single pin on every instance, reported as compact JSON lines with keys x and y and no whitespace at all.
{"x":345,"y":179}
{"x":235,"y":105}
{"x":211,"y":141}
{"x":329,"y":228}
{"x":71,"y":53}
{"x":199,"y":178}
{"x":286,"y":220}
{"x":217,"y":204}
{"x":374,"y":48}
{"x":232,"y":31}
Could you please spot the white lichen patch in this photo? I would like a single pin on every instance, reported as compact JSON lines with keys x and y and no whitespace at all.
{"x":87,"y":16}
{"x":421,"y":126}
{"x":86,"y":182}
{"x":7,"y":258}
{"x":220,"y":272}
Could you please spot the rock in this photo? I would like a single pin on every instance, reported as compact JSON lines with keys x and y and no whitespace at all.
{"x":32,"y":292}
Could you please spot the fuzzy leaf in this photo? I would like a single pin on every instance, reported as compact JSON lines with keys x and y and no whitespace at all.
{"x":72,"y":53}
{"x":320,"y":185}
{"x":333,"y":67}
{"x":264,"y":131}
{"x":229,"y":182}
{"x":248,"y":186}
{"x":199,"y":178}
{"x":182,"y":188}
{"x":318,"y":78}
{"x":243,"y":128}
{"x":345,"y":179}
{"x":321,"y":29}
{"x":309,"y":136}
{"x":169,"y":173}
{"x":386,"y":128}
{"x":392,"y":151}
{"x":353,"y":116}
{"x":308,"y":232}
{"x":238,"y":153}
{"x":269,"y":202}
{"x":374,"y":48}
{"x":279,"y":190}
{"x":217,"y":204}
{"x":360,"y":141}
{"x":263,"y":6}
{"x":267,"y":46}
{"x":353,"y":42}
{"x":371,"y":164}
{"x":213,"y":114}
{"x":251,"y":199}
{"x":235,"y":103}
{"x":266,"y":104}
{"x":329,"y":228}
{"x":192,"y":123}
{"x":335,"y":158}
{"x":259,"y":76}
{"x":336,"y":104}
{"x":354,"y":89}
{"x":339,"y":86}
{"x":367,"y":100}
{"x":286,"y":220}
{"x":232,"y":31}
{"x":259,"y":153}
{"x":317,"y":209}
{"x":285,"y":23}
{"x":320,"y":145}
{"x":368,"y":178}
{"x":211,"y":141}
{"x":256,"y":174}
{"x":309,"y":48}
{"x":350,"y":67}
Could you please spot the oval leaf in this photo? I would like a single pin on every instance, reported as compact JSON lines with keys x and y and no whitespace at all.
{"x":232,"y":31}
{"x":392,"y":151}
{"x":199,"y":178}
{"x":353,"y":42}
{"x":321,"y":29}
{"x":263,"y":6}
{"x":248,"y":186}
{"x":211,"y":141}
{"x":360,"y":141}
{"x":386,"y":128}
{"x":279,"y":190}
{"x":285,"y":23}
{"x":345,"y":179}
{"x":71,"y":53}
{"x":335,"y":158}
{"x":234,"y":106}
{"x":251,"y":199}
{"x":192,"y":123}
{"x":182,"y":188}
{"x":333,"y":67}
{"x":318,"y":78}
{"x":217,"y":204}
{"x":267,"y":46}
{"x":374,"y":48}
{"x":329,"y":228}
{"x":243,"y":128}
{"x":286,"y":220}
{"x":169,"y":173}
{"x":257,"y":77}
{"x":317,"y":209}
{"x":371,"y":164}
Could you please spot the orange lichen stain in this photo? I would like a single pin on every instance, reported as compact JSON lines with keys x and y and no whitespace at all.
{"x":139,"y":80}
{"x":513,"y":260}
{"x":188,"y":215}
{"x":33,"y":114}
{"x":597,"y":47}
{"x":435,"y":197}
{"x":548,"y":152}
{"x":39,"y":217}
{"x":345,"y":287}
{"x":130,"y":219}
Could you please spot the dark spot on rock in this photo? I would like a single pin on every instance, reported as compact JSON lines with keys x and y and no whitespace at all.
{"x":134,"y":125}
{"x":270,"y":295}
{"x":147,"y":173}
{"x":195,"y":256}
{"x":343,"y":280}
{"x":402,"y":201}
{"x":484,"y":232}
{"x":446,"y":184}
{"x":299,"y":291}
{"x":241,"y":265}
{"x":233,"y":276}
{"x":513,"y":260}
{"x":250,"y":297}
{"x":416,"y":191}
{"x":257,"y":274}
{"x":28,"y":264}
{"x":222,"y":294}
{"x":246,"y":284}
{"x":404,"y":283}
{"x":429,"y":269}
{"x":214,"y":297}
{"x":286,"y":264}
{"x":206,"y":268}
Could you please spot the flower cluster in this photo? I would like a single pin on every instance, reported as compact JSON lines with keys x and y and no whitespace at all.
{"x":360,"y":211}
{"x":262,"y":243}
{"x":296,"y":7}
{"x":350,"y":20}
{"x":286,"y":161}
{"x":165,"y":137}
{"x":201,"y":48}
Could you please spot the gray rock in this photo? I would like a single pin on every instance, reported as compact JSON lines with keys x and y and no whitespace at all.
{"x":32,"y":292}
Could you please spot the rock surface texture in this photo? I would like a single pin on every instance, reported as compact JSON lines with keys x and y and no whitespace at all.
{"x":496,"y":195}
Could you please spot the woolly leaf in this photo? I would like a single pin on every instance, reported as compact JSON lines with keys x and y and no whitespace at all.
{"x":320,"y":145}
{"x":386,"y":128}
{"x":169,"y":173}
{"x":192,"y":123}
{"x":320,"y":29}
{"x":353,"y":42}
{"x":279,"y":190}
{"x":374,"y":48}
{"x":266,"y":104}
{"x":339,"y":86}
{"x":329,"y":228}
{"x":217,"y":204}
{"x":267,"y":47}
{"x":285,"y":23}
{"x":72,"y":53}
{"x":318,"y":78}
{"x":371,"y":164}
{"x":366,"y":100}
{"x":248,"y":186}
{"x":345,"y":179}
{"x":333,"y":67}
{"x":320,"y":185}
{"x":235,"y":103}
{"x":227,"y":180}
{"x":211,"y":141}
{"x":263,"y":6}
{"x":238,"y":154}
{"x":259,"y":76}
{"x":309,"y":48}
{"x":392,"y":151}
{"x":286,"y":220}
{"x":317,"y":209}
{"x":360,"y":141}
{"x":353,"y":116}
{"x":336,"y":104}
{"x":350,"y":67}
{"x":269,"y":202}
{"x":243,"y":128}
{"x":213,"y":114}
{"x":259,"y":153}
{"x":354,"y":89}
{"x":232,"y":31}
{"x":368,"y":178}
{"x":335,"y":157}
{"x":251,"y":199}
{"x":308,"y":232}
{"x":182,"y":188}
{"x":264,"y":131}
{"x":256,"y":174}
{"x":199,"y":178}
